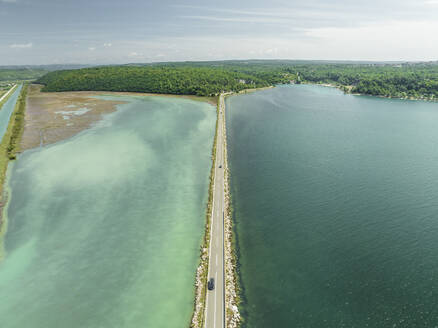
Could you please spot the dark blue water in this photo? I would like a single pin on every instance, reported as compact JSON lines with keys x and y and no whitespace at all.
{"x":336,"y":202}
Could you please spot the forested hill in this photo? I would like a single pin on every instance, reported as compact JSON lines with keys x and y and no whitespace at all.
{"x":402,"y":80}
{"x":20,"y":74}
{"x":202,"y":81}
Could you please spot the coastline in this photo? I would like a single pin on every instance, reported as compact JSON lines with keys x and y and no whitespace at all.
{"x":232,"y":294}
{"x":198,"y":315}
{"x":6,"y":96}
{"x":30,"y":126}
{"x":57,"y":116}
{"x":232,"y":291}
{"x":347,"y":90}
{"x":9,"y":146}
{"x":251,"y":90}
{"x":211,"y":100}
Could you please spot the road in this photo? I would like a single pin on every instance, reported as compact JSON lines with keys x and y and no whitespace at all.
{"x":7,"y":93}
{"x":215,"y":301}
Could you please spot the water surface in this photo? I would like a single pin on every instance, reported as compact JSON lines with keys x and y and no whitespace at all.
{"x":336,"y":202}
{"x":105,"y":228}
{"x":7,"y":109}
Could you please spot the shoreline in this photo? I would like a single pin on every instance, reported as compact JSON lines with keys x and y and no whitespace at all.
{"x":7,"y":95}
{"x":232,"y":294}
{"x":9,"y":146}
{"x":57,"y":116}
{"x":231,"y":279}
{"x":347,"y":90}
{"x":232,"y":297}
{"x":27,"y":130}
{"x":199,"y":303}
{"x":211,"y":100}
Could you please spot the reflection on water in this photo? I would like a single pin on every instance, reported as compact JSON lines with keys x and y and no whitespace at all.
{"x":104,"y":229}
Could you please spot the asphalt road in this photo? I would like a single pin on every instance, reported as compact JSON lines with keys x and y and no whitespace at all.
{"x":215,"y":301}
{"x":7,"y":93}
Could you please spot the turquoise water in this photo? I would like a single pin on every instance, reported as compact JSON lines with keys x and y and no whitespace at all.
{"x":336,"y":203}
{"x":105,"y":228}
{"x":7,"y":109}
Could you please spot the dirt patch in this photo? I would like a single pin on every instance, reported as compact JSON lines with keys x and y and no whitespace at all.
{"x":51,"y":117}
{"x":55,"y":116}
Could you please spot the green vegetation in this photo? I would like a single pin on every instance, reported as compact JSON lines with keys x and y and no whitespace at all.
{"x":17,"y":123}
{"x":198,"y":317}
{"x":6,"y":98}
{"x":21,"y":74}
{"x":201,"y":81}
{"x":418,"y":81}
{"x":9,"y":145}
{"x":407,"y":80}
{"x":401,"y":80}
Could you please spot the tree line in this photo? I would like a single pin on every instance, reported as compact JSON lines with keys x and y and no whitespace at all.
{"x":21,"y":74}
{"x":210,"y":78}
{"x":201,"y":81}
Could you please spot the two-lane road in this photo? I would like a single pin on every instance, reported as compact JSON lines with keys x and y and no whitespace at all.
{"x":215,"y":301}
{"x":7,"y":93}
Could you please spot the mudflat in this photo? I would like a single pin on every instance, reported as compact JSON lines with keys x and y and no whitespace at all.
{"x":55,"y":116}
{"x":51,"y":117}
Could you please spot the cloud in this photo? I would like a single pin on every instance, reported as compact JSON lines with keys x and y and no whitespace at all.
{"x":107,"y":45}
{"x":21,"y":45}
{"x":394,"y":40}
{"x":8,"y":1}
{"x":91,"y":48}
{"x":237,"y":19}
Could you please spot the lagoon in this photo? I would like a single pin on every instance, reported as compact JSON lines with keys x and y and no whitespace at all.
{"x":104,"y":229}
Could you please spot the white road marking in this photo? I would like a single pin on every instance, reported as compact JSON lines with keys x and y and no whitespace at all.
{"x":215,"y":278}
{"x":218,"y":235}
{"x":7,"y":93}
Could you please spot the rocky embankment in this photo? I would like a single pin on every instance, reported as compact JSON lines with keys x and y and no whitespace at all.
{"x":231,"y":293}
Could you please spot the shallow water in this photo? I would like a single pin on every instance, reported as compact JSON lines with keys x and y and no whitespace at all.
{"x":104,"y":229}
{"x":7,"y":109}
{"x":336,"y":202}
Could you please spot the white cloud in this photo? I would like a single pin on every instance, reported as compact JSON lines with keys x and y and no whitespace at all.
{"x":391,"y":40}
{"x":21,"y":45}
{"x":238,"y":19}
{"x":91,"y":48}
{"x":107,"y":45}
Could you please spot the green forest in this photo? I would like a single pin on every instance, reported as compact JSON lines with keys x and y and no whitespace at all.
{"x":402,"y":80}
{"x":201,"y":81}
{"x":21,"y":74}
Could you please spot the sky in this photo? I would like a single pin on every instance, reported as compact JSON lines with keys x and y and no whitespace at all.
{"x":40,"y":32}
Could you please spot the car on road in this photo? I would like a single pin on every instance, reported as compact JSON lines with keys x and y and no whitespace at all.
{"x":220,"y":166}
{"x":210,"y":284}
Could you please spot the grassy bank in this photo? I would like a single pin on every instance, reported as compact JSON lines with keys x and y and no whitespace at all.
{"x":10,"y":143}
{"x":202,"y":271}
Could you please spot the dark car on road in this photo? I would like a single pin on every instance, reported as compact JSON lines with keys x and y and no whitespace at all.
{"x":210,"y":284}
